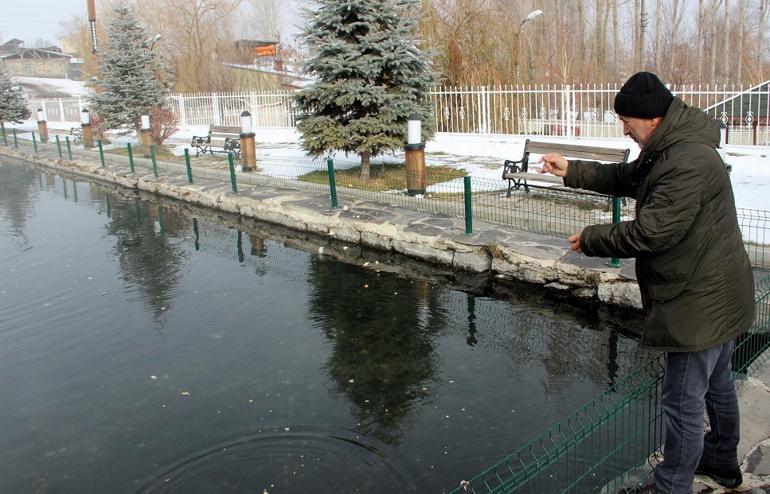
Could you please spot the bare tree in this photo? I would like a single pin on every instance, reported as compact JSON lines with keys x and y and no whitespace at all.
{"x":726,"y":46}
{"x":764,"y":5}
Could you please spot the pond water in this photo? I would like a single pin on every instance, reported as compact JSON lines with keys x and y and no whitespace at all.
{"x":146,"y":346}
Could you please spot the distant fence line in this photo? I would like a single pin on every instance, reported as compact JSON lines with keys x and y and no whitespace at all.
{"x":551,"y":110}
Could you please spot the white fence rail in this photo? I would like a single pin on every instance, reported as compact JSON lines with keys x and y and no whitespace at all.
{"x":567,"y":111}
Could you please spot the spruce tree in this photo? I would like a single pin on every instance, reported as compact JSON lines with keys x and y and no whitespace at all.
{"x":13,"y":105}
{"x":370,"y":76}
{"x":128,"y":84}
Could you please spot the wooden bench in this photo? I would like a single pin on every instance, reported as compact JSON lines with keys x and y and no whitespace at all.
{"x":518,"y":175}
{"x":220,"y":137}
{"x":76,"y":133}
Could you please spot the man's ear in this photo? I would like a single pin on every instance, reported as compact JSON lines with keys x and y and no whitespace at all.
{"x":655,"y":122}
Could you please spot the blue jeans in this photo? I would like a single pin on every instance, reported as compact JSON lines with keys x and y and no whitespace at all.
{"x":697,"y":383}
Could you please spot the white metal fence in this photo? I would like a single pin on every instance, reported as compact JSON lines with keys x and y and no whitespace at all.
{"x":567,"y":111}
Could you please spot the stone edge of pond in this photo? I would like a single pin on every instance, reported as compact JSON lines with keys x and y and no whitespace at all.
{"x":497,"y":250}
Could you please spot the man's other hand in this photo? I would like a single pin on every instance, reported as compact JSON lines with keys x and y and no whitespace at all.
{"x":574,"y":242}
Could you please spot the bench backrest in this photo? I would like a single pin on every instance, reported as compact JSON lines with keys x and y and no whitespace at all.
{"x":578,"y":151}
{"x":223,"y":131}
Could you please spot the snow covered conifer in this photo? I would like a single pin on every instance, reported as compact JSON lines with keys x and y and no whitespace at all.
{"x":128,"y":75}
{"x":370,"y":76}
{"x":13,"y":105}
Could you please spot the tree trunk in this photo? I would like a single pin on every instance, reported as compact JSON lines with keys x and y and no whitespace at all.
{"x":726,"y":48}
{"x":714,"y":36}
{"x":701,"y":21}
{"x":615,"y":36}
{"x":658,"y":34}
{"x":763,"y":7}
{"x":741,"y":14}
{"x":365,"y":165}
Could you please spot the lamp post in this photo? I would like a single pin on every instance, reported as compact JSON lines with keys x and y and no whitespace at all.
{"x":88,"y":131}
{"x":530,"y":17}
{"x":248,"y":147}
{"x":42,"y":125}
{"x":146,"y":135}
{"x":415,"y":157}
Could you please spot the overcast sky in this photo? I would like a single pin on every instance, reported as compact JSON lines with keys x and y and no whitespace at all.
{"x":39,"y":19}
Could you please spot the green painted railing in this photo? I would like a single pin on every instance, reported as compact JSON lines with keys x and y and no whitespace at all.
{"x":612,"y":441}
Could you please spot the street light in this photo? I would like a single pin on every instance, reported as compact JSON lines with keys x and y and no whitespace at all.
{"x":529,"y":18}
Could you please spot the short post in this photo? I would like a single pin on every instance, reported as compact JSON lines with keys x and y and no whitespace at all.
{"x":415,"y":157}
{"x":332,"y":183}
{"x":15,"y":140}
{"x":754,"y":126}
{"x":75,"y":191}
{"x":154,"y":161}
{"x":187,"y":165}
{"x":727,"y":132}
{"x":615,"y":262}
{"x":130,"y":157}
{"x":5,"y":138}
{"x":42,"y":126}
{"x":58,"y":146}
{"x":468,"y":207}
{"x":232,"y":172}
{"x":146,"y":135}
{"x":34,"y":142}
{"x":69,"y":147}
{"x":87,"y":130}
{"x":248,"y":146}
{"x":101,"y":153}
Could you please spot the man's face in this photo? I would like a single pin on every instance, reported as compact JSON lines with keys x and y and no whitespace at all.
{"x":640,"y":129}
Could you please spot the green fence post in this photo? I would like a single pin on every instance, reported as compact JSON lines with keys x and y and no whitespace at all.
{"x":130,"y":157}
{"x":15,"y":140}
{"x":101,"y":152}
{"x":154,"y":160}
{"x":332,"y":183}
{"x":58,"y":146}
{"x":34,"y":142}
{"x":615,"y":262}
{"x":232,"y":172}
{"x":69,"y":147}
{"x":187,"y":164}
{"x":468,"y":208}
{"x":197,"y":236}
{"x":5,"y":137}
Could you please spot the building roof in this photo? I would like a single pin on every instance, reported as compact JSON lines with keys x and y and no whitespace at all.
{"x":253,"y":43}
{"x":35,"y":53}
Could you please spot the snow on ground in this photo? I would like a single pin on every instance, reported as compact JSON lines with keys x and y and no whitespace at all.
{"x":479,"y":155}
{"x":50,"y":87}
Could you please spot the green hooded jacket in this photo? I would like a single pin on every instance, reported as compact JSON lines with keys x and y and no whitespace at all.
{"x":694,"y":275}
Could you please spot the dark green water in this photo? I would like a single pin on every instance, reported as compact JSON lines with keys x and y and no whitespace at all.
{"x":145,"y":348}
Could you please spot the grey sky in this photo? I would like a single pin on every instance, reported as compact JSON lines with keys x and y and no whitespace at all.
{"x":39,"y":19}
{"x":36,"y":19}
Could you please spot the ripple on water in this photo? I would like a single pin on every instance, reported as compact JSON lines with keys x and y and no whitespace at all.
{"x":289,"y":460}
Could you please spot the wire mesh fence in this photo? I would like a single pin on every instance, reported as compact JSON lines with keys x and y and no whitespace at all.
{"x":554,"y":211}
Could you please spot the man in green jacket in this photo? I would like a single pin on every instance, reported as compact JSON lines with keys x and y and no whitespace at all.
{"x":694,"y":275}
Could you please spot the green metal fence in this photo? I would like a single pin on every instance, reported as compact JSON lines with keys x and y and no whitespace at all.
{"x":613,"y":441}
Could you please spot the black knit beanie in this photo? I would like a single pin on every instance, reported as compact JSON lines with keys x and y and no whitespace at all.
{"x":643,"y":96}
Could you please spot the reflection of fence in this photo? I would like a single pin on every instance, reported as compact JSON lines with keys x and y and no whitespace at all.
{"x":601,"y":447}
{"x":564,"y":110}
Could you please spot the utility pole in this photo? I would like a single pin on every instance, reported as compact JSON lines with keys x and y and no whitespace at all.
{"x":640,"y":41}
{"x":92,"y":22}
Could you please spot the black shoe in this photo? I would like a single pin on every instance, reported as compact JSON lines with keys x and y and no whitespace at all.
{"x":726,"y":477}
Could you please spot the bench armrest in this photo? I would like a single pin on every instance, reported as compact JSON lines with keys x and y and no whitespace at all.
{"x":200,"y":140}
{"x":510,"y":166}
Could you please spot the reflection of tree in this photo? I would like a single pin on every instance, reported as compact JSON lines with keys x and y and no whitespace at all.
{"x":16,"y":195}
{"x":146,"y":256}
{"x":382,"y":333}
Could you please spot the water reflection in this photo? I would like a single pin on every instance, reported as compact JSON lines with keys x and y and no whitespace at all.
{"x":382,"y":354}
{"x":17,"y":196}
{"x":146,"y":256}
